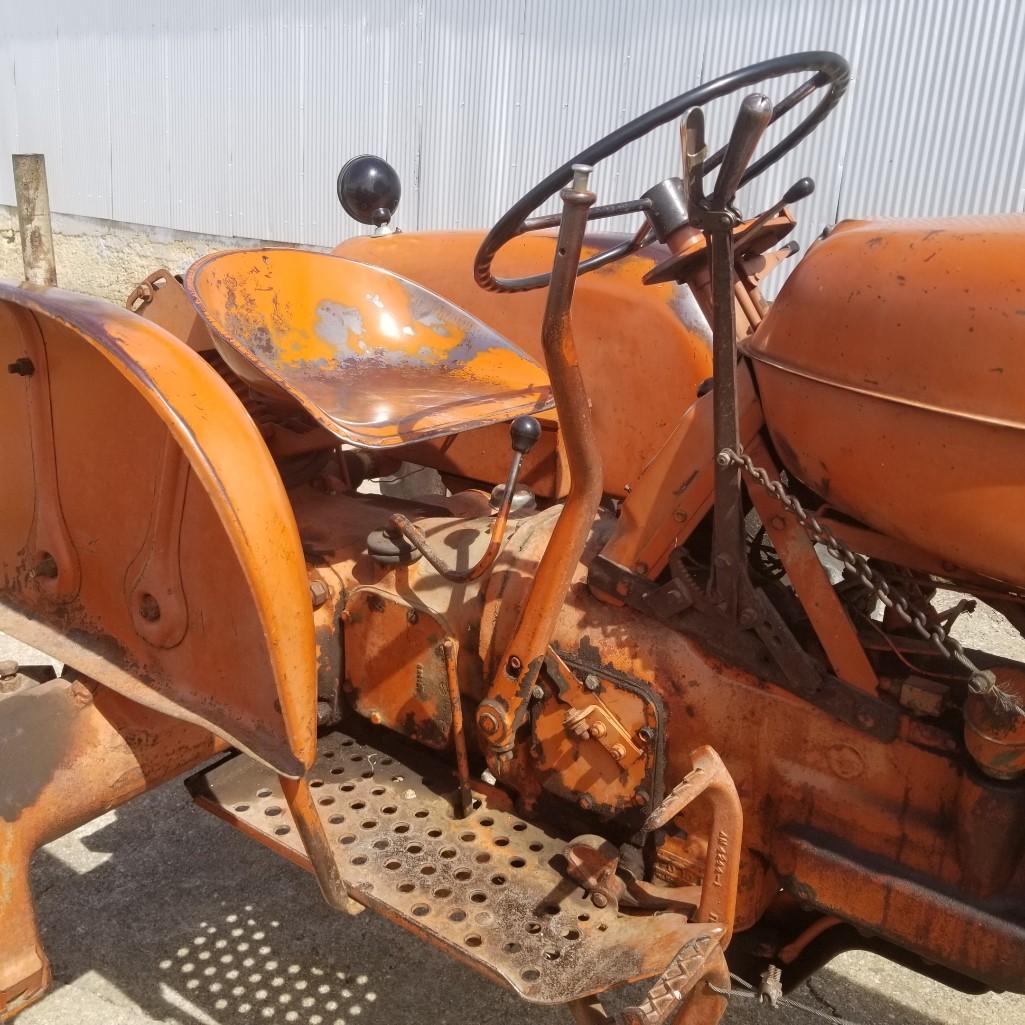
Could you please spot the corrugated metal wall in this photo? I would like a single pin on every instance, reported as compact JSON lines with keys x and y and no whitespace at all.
{"x":233,"y":116}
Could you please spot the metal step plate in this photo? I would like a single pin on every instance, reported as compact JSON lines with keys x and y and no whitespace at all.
{"x":487,"y":889}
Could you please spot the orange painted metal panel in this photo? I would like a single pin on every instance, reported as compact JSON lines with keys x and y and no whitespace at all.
{"x":148,"y":541}
{"x":623,"y":329}
{"x":892,"y":374}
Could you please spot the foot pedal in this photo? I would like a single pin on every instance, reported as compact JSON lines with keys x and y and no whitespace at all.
{"x":489,"y":889}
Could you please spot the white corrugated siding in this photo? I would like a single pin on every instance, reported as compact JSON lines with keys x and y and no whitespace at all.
{"x":233,"y":116}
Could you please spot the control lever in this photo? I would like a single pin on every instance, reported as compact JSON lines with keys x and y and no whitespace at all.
{"x":523,"y":434}
{"x":692,"y":142}
{"x":801,"y":189}
{"x":752,"y":120}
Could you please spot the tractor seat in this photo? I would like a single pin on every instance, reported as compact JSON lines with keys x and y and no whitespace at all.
{"x":374,"y":358}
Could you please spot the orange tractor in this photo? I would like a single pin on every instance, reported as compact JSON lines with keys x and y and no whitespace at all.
{"x":655,"y":686}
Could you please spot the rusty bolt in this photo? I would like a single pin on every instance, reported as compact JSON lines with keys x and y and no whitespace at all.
{"x":319,"y":593}
{"x":412,"y":616}
{"x":623,"y":588}
{"x":514,"y":665}
{"x":149,"y":608}
{"x":344,"y":616}
{"x":748,"y":617}
{"x":680,"y":516}
{"x":537,"y":693}
{"x":778,"y":522}
{"x":618,"y":752}
{"x":597,"y":731}
{"x":323,"y":712}
{"x":866,"y":719}
{"x":22,"y":366}
{"x":599,"y":899}
{"x":646,"y":734}
{"x":8,"y":668}
{"x":592,"y":683}
{"x":488,"y":723}
{"x":641,"y":798}
{"x":375,"y":718}
{"x":586,"y":802}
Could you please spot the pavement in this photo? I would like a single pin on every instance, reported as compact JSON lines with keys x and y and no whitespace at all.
{"x":158,"y":912}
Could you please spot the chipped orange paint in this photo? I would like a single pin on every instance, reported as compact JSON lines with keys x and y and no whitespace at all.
{"x":374,"y":358}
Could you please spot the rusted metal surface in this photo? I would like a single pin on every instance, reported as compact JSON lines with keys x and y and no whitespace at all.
{"x":812,"y":584}
{"x":170,"y":569}
{"x":924,"y":342}
{"x":161,"y":298}
{"x":500,"y":715}
{"x":69,"y":750}
{"x":32,"y":198}
{"x":622,"y":330}
{"x":376,"y":359}
{"x":997,"y":740}
{"x":487,"y":889}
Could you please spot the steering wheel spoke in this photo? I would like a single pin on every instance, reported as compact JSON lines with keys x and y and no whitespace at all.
{"x":829,"y":72}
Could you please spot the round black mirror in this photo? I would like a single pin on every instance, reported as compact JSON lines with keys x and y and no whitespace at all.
{"x":369,"y":190}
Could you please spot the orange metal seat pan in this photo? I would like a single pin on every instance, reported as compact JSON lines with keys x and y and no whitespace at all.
{"x":376,"y":359}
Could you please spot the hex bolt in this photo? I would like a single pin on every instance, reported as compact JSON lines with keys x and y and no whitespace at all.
{"x":319,"y":593}
{"x":597,"y":731}
{"x":618,"y":752}
{"x":646,"y":734}
{"x":22,"y":366}
{"x":488,"y":723}
{"x":592,"y":683}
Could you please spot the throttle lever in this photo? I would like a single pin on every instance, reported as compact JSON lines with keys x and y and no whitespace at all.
{"x":801,"y":189}
{"x":752,"y":120}
{"x":695,"y":150}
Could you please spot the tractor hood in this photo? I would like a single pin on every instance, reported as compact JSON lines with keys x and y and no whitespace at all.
{"x":892,"y":374}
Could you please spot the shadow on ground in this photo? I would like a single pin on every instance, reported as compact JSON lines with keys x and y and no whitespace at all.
{"x":165,"y":914}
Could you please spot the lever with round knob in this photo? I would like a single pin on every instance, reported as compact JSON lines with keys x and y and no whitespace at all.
{"x":524,"y":432}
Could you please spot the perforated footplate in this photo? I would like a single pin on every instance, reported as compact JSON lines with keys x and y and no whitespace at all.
{"x":487,"y":889}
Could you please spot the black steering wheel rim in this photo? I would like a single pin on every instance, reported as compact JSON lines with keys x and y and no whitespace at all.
{"x":830,"y":70}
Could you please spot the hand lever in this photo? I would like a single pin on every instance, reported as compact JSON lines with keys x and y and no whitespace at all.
{"x":692,"y":142}
{"x":523,"y":434}
{"x":801,"y":189}
{"x":752,"y":120}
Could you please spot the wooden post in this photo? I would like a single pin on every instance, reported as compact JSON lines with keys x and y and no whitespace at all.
{"x":33,"y":201}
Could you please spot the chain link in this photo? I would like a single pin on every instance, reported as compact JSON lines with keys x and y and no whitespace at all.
{"x":981,"y":681}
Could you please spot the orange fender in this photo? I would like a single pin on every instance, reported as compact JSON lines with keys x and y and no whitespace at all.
{"x":145,"y":535}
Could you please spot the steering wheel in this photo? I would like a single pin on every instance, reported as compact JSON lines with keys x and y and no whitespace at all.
{"x":829,"y":71}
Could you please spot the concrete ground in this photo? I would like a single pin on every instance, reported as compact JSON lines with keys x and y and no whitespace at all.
{"x":158,"y":912}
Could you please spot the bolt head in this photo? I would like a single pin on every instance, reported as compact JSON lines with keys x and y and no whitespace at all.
{"x":597,"y":731}
{"x":646,"y":734}
{"x":8,"y":668}
{"x":599,"y":900}
{"x":641,"y":798}
{"x":537,"y":693}
{"x":618,"y":752}
{"x":592,"y":683}
{"x":488,"y":723}
{"x":319,"y":593}
{"x":586,"y":802}
{"x":748,"y":617}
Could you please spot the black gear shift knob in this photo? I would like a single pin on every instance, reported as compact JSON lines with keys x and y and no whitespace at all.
{"x":523,"y":433}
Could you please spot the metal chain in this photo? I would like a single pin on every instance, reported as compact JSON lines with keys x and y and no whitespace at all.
{"x":981,"y":681}
{"x":751,"y":994}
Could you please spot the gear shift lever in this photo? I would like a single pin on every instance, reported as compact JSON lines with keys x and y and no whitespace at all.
{"x":523,"y":434}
